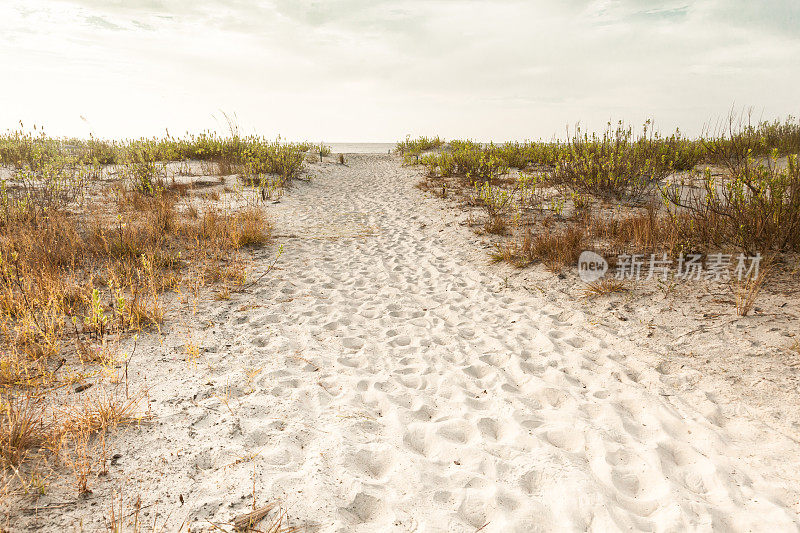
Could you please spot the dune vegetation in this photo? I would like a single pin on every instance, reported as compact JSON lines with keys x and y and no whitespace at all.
{"x":736,"y":189}
{"x":414,"y":147}
{"x":99,"y":241}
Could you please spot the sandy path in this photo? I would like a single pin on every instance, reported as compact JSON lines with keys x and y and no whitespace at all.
{"x":395,"y":386}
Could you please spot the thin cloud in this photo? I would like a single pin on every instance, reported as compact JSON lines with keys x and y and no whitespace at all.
{"x":359,"y":69}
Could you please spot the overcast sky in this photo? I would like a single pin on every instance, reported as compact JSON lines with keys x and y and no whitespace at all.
{"x":374,"y":70}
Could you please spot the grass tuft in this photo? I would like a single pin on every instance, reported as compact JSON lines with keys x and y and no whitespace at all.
{"x":603,"y":287}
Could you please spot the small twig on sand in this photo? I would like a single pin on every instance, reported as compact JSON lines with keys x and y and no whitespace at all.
{"x":128,"y":360}
{"x":57,"y":505}
{"x":246,"y":521}
{"x":267,"y":271}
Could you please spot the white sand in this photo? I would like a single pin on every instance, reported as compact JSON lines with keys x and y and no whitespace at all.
{"x":403,"y":388}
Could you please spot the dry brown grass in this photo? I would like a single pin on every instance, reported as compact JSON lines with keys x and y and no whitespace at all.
{"x":102,"y":410}
{"x":76,"y":278}
{"x":746,"y":291}
{"x":641,"y":231}
{"x":435,"y":186}
{"x":246,"y":227}
{"x":128,"y":518}
{"x":22,"y":429}
{"x":496,"y":225}
{"x":604,"y":287}
{"x":557,"y":250}
{"x":557,"y":241}
{"x":84,"y":265}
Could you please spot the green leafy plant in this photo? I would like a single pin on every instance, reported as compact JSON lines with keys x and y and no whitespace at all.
{"x":616,"y":165}
{"x":97,"y":320}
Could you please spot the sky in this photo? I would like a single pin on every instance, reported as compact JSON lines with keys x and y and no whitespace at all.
{"x":376,"y":70}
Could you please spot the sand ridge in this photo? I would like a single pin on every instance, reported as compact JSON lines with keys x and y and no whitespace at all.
{"x":381,"y":380}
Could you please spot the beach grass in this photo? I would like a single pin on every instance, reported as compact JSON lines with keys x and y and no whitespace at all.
{"x":98,"y":241}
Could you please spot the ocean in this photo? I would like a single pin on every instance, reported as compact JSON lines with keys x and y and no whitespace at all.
{"x":360,"y":148}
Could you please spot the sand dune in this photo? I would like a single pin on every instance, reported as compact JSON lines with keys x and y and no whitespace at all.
{"x":384,"y":380}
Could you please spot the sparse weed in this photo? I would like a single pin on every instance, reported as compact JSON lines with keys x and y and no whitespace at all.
{"x":128,"y":518}
{"x":78,"y":272}
{"x":603,"y":287}
{"x":22,"y":428}
{"x":746,"y":291}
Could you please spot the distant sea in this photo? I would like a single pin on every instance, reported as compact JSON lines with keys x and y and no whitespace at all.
{"x":360,"y":148}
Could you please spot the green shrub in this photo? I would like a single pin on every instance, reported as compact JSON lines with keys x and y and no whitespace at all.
{"x":24,"y":150}
{"x":468,"y":159}
{"x":781,"y":136}
{"x":680,"y":153}
{"x":739,"y":141}
{"x":142,"y":167}
{"x":418,"y":145}
{"x":100,"y":152}
{"x":443,"y":164}
{"x":755,"y":210}
{"x":615,"y":166}
{"x":47,"y":176}
{"x":522,"y":155}
{"x":483,"y":167}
